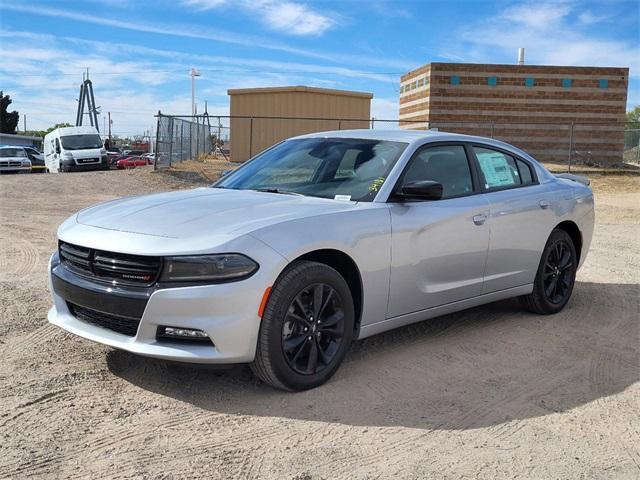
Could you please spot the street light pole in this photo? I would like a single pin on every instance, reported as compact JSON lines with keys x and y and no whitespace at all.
{"x":194,"y":73}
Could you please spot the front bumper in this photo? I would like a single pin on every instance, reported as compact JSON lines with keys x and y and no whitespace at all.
{"x":26,"y":168}
{"x":228,"y":313}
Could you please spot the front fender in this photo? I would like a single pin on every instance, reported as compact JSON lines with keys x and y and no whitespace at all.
{"x":364,"y":234}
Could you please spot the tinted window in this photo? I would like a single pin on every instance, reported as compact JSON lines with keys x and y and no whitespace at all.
{"x":501,"y":170}
{"x":525,"y":172}
{"x":348,"y":168}
{"x":447,"y":165}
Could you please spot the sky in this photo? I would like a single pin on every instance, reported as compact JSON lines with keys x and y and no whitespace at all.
{"x":139,"y":54}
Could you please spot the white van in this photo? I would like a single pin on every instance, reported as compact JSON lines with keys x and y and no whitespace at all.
{"x":74,"y":148}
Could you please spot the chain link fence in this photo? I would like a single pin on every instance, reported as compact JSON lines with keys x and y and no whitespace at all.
{"x":179,"y":138}
{"x":590,"y":144}
{"x":632,"y":146}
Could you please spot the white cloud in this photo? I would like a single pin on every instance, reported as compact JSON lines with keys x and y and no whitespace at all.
{"x":385,"y":108}
{"x":289,"y":17}
{"x":538,"y":15}
{"x":293,"y":18}
{"x":589,"y":18}
{"x":550,"y":35}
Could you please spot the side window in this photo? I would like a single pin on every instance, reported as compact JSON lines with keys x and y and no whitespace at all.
{"x":501,"y":170}
{"x":525,"y":172}
{"x":447,"y":164}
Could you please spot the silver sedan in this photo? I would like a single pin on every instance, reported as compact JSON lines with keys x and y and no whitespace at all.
{"x":319,"y":241}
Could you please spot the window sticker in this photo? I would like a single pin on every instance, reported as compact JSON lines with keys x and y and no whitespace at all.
{"x":496,"y":169}
{"x":343,"y":198}
{"x":376,"y":184}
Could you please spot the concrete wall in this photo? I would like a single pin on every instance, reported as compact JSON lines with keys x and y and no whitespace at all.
{"x":309,"y":106}
{"x":530,"y":106}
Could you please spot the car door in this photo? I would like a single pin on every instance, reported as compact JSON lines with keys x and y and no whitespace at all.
{"x":519,"y":214}
{"x":438,"y":247}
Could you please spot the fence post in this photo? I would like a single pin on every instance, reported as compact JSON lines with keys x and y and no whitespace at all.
{"x":155,"y":157}
{"x":492,"y":125}
{"x":170,"y":131}
{"x":250,"y":137}
{"x":570,"y":147}
{"x":339,"y":124}
{"x":181,"y":140}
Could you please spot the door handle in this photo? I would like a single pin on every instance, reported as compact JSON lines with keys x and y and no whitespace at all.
{"x":479,"y":219}
{"x":544,"y":204}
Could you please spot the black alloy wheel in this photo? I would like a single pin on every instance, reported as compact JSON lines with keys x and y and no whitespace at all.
{"x":313,"y":329}
{"x":307,"y":327}
{"x":555,"y":277}
{"x":558,"y":272}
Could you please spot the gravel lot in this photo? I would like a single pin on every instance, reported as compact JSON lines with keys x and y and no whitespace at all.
{"x":492,"y":392}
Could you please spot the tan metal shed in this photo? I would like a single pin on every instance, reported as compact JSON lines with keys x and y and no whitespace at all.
{"x":261,"y":117}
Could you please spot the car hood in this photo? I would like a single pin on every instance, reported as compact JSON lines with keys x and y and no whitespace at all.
{"x":204,"y":211}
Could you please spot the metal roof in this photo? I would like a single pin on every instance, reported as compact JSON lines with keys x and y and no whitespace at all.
{"x":298,"y":88}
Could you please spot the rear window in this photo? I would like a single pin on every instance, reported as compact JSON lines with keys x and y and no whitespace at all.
{"x":12,"y":152}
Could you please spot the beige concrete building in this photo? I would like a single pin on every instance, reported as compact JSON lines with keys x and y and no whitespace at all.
{"x":530,"y":106}
{"x":261,"y":117}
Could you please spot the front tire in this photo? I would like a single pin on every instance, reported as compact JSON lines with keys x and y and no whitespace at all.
{"x":555,"y":277}
{"x":307,"y":327}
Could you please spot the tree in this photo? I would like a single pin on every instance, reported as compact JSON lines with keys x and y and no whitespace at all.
{"x":42,"y":133}
{"x":8,"y":120}
{"x":633,"y":118}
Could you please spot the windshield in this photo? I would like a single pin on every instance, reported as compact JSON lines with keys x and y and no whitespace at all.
{"x":80,"y":142}
{"x":12,"y":152}
{"x":340,"y":168}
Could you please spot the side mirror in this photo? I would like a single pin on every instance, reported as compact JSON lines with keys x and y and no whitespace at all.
{"x":421,"y":190}
{"x":57,"y":148}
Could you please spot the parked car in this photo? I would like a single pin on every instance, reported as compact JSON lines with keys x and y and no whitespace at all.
{"x":131,"y":162}
{"x":316,"y":242}
{"x":150,"y":157}
{"x":74,"y":148}
{"x":14,"y":159}
{"x":37,"y":160}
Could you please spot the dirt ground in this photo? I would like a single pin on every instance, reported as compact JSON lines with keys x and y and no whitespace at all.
{"x":492,"y":392}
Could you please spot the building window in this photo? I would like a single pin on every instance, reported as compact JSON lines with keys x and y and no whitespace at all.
{"x":492,"y":81}
{"x":529,"y":82}
{"x":604,"y":83}
{"x":566,"y":82}
{"x":455,"y":80}
{"x":414,"y":85}
{"x":421,"y":82}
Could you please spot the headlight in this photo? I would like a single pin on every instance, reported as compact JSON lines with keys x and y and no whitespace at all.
{"x":67,"y":156}
{"x":193,"y":268}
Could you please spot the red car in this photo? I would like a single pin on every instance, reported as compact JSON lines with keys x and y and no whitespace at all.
{"x":131,"y":162}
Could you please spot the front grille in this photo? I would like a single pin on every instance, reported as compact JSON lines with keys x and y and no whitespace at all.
{"x":10,"y":163}
{"x":123,"y":325}
{"x":111,"y":267}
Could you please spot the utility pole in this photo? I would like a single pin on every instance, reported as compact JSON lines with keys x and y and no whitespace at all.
{"x":194,"y":73}
{"x":25,"y":123}
{"x":109,"y":114}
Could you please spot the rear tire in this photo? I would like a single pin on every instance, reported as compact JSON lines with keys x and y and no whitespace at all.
{"x":306,"y":329}
{"x":555,"y":277}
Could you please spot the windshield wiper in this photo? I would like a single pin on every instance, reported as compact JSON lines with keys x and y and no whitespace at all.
{"x":277,"y":190}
